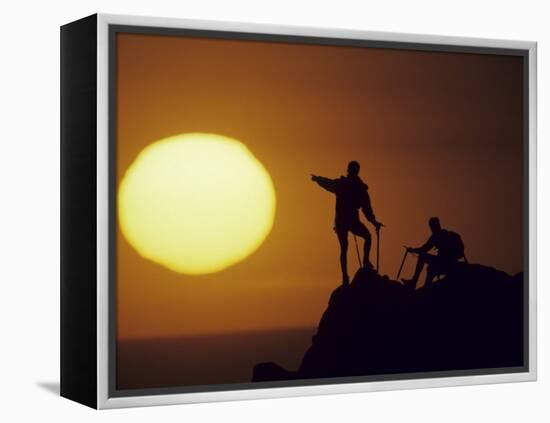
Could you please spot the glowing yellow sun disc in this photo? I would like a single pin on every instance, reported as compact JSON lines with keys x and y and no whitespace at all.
{"x":196,"y":203}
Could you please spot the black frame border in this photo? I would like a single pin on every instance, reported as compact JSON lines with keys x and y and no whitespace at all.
{"x":78,"y":211}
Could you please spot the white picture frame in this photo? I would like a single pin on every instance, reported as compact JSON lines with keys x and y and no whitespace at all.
{"x":103,"y":358}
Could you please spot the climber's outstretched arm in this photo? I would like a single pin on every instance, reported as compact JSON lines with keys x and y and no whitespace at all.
{"x":326,"y":183}
{"x":430,"y":243}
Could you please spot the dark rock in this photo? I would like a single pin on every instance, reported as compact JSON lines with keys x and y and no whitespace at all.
{"x":471,"y":319}
{"x":271,"y":372}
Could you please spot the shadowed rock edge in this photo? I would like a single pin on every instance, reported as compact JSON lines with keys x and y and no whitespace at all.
{"x":471,"y":319}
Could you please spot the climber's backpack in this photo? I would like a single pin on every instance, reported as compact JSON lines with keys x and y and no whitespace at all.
{"x":454,"y":245}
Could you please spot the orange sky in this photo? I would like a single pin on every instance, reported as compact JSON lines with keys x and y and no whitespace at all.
{"x":435,"y":133}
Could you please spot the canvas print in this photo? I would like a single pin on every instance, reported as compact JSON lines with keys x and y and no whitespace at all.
{"x":294,"y":212}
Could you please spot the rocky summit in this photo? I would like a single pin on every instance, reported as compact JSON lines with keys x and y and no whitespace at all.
{"x":470,"y":319}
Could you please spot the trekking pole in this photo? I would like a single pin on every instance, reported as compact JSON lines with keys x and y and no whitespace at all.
{"x":357,"y":249}
{"x":377,"y":249}
{"x":402,"y":263}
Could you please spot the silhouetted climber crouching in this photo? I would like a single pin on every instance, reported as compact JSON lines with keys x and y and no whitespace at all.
{"x":450,"y":249}
{"x":351,"y":195}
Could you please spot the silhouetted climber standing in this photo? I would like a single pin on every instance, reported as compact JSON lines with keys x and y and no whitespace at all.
{"x":450,"y":249}
{"x":351,"y":195}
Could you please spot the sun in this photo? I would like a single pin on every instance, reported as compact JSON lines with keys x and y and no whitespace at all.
{"x":196,"y":203}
